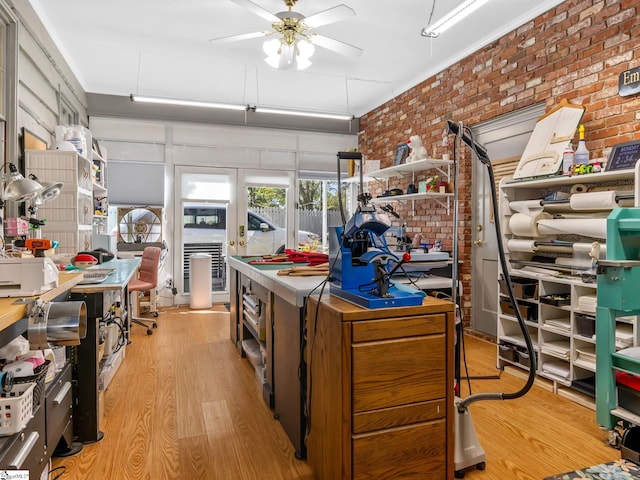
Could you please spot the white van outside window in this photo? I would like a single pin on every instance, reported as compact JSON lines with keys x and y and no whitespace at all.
{"x":205,"y":224}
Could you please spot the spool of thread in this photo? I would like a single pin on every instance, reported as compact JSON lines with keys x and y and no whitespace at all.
{"x":579,"y":188}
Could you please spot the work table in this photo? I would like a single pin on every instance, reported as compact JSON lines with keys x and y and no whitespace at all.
{"x":291,"y":289}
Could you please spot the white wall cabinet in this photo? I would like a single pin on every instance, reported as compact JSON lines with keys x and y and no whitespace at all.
{"x":558,"y":304}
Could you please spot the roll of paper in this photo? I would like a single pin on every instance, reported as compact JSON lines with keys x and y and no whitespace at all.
{"x":19,"y":368}
{"x":578,"y":188}
{"x":526,"y":225}
{"x":586,"y":248}
{"x":594,"y":200}
{"x":520,"y":245}
{"x":526,"y":206}
{"x":595,"y":227}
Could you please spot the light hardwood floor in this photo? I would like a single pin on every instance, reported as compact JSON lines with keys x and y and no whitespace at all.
{"x":184,"y":405}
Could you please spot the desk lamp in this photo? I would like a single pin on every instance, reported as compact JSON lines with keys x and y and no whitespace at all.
{"x":49,"y":191}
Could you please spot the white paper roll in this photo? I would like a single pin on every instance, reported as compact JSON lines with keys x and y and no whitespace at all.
{"x":594,"y":200}
{"x":594,"y":227}
{"x":526,"y":225}
{"x":520,"y":245}
{"x":19,"y":368}
{"x":578,"y":188}
{"x":586,"y":248}
{"x":526,"y":206}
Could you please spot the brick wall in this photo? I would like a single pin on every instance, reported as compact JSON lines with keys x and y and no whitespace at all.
{"x":575,"y":51}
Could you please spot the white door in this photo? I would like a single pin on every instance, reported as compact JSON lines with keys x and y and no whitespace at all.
{"x":205,"y":222}
{"x":266,"y":212}
{"x":505,"y":136}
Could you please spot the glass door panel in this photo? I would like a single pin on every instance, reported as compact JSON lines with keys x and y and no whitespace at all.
{"x":204,"y":199}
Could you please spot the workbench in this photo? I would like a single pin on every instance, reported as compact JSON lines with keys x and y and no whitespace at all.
{"x":31,"y":448}
{"x":280,"y":303}
{"x":92,"y":376}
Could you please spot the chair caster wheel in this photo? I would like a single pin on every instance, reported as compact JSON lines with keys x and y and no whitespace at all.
{"x":155,"y":314}
{"x":149,"y":331}
{"x":155,"y":325}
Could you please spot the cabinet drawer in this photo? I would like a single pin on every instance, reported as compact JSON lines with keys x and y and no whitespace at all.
{"x":399,"y":416}
{"x":418,"y":451}
{"x":26,"y":450}
{"x":398,"y":372}
{"x":58,"y":406}
{"x":401,"y":327}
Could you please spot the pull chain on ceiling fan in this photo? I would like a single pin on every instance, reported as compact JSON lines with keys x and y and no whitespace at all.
{"x":295,"y":44}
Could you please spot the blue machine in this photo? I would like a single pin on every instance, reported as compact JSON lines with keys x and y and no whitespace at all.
{"x":361,"y":265}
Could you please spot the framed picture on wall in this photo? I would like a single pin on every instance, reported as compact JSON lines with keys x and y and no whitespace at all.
{"x":402,"y":152}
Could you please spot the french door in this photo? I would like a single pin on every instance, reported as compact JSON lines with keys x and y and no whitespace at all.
{"x":205,"y":219}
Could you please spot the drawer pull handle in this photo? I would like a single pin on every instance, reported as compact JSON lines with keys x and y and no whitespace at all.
{"x":62,"y":393}
{"x":24,"y":451}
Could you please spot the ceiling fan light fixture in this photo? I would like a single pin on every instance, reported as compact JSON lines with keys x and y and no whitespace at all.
{"x":454,"y":16}
{"x":283,"y":55}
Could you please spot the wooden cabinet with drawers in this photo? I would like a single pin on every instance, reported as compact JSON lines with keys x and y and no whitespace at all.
{"x":380,"y":390}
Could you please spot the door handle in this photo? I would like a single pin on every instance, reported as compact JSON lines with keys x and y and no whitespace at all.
{"x":241,"y":243}
{"x":477,"y":243}
{"x":232,"y":243}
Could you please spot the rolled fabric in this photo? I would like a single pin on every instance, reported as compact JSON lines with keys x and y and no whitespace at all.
{"x":526,"y":225}
{"x":520,"y":245}
{"x":594,"y":200}
{"x":526,"y":206}
{"x":595,"y":227}
{"x":578,"y":188}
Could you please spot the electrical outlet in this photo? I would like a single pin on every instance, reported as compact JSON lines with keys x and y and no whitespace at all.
{"x":168,"y":283}
{"x":174,"y":290}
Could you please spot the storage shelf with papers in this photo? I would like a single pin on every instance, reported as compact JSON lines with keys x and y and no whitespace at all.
{"x":554,"y":231}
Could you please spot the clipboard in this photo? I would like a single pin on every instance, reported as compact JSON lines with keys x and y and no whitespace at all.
{"x":551,"y":135}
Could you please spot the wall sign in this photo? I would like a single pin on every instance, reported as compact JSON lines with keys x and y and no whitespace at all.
{"x":629,"y":82}
{"x":623,"y":156}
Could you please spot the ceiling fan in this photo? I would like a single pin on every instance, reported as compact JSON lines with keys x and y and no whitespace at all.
{"x":294,"y":44}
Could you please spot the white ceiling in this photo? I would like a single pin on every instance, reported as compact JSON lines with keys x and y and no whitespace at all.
{"x":162,"y":48}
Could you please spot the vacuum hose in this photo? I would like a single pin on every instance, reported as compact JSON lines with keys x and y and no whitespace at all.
{"x":463,"y":404}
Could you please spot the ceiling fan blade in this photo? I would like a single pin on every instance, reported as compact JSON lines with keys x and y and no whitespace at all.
{"x":336,"y":46}
{"x":331,"y":15}
{"x":257,"y":9}
{"x":235,"y":38}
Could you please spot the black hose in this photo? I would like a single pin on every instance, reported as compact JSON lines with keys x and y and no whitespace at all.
{"x":482,"y":155}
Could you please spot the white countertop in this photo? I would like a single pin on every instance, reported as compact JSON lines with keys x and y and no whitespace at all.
{"x":291,"y":289}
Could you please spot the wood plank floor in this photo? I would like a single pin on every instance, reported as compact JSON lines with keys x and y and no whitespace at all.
{"x":184,"y":405}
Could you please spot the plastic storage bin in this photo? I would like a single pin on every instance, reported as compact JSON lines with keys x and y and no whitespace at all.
{"x":585,"y":325}
{"x":16,"y":408}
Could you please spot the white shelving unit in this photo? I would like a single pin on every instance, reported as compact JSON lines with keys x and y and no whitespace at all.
{"x":69,"y":217}
{"x":409,"y":171}
{"x":563,"y":334}
{"x":72,"y":216}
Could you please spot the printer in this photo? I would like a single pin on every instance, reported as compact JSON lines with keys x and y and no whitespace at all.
{"x":26,"y":277}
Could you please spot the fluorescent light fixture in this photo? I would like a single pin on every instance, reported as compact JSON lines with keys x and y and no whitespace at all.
{"x":247,"y":108}
{"x":185,"y":103}
{"x":300,"y":113}
{"x":453,"y":17}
